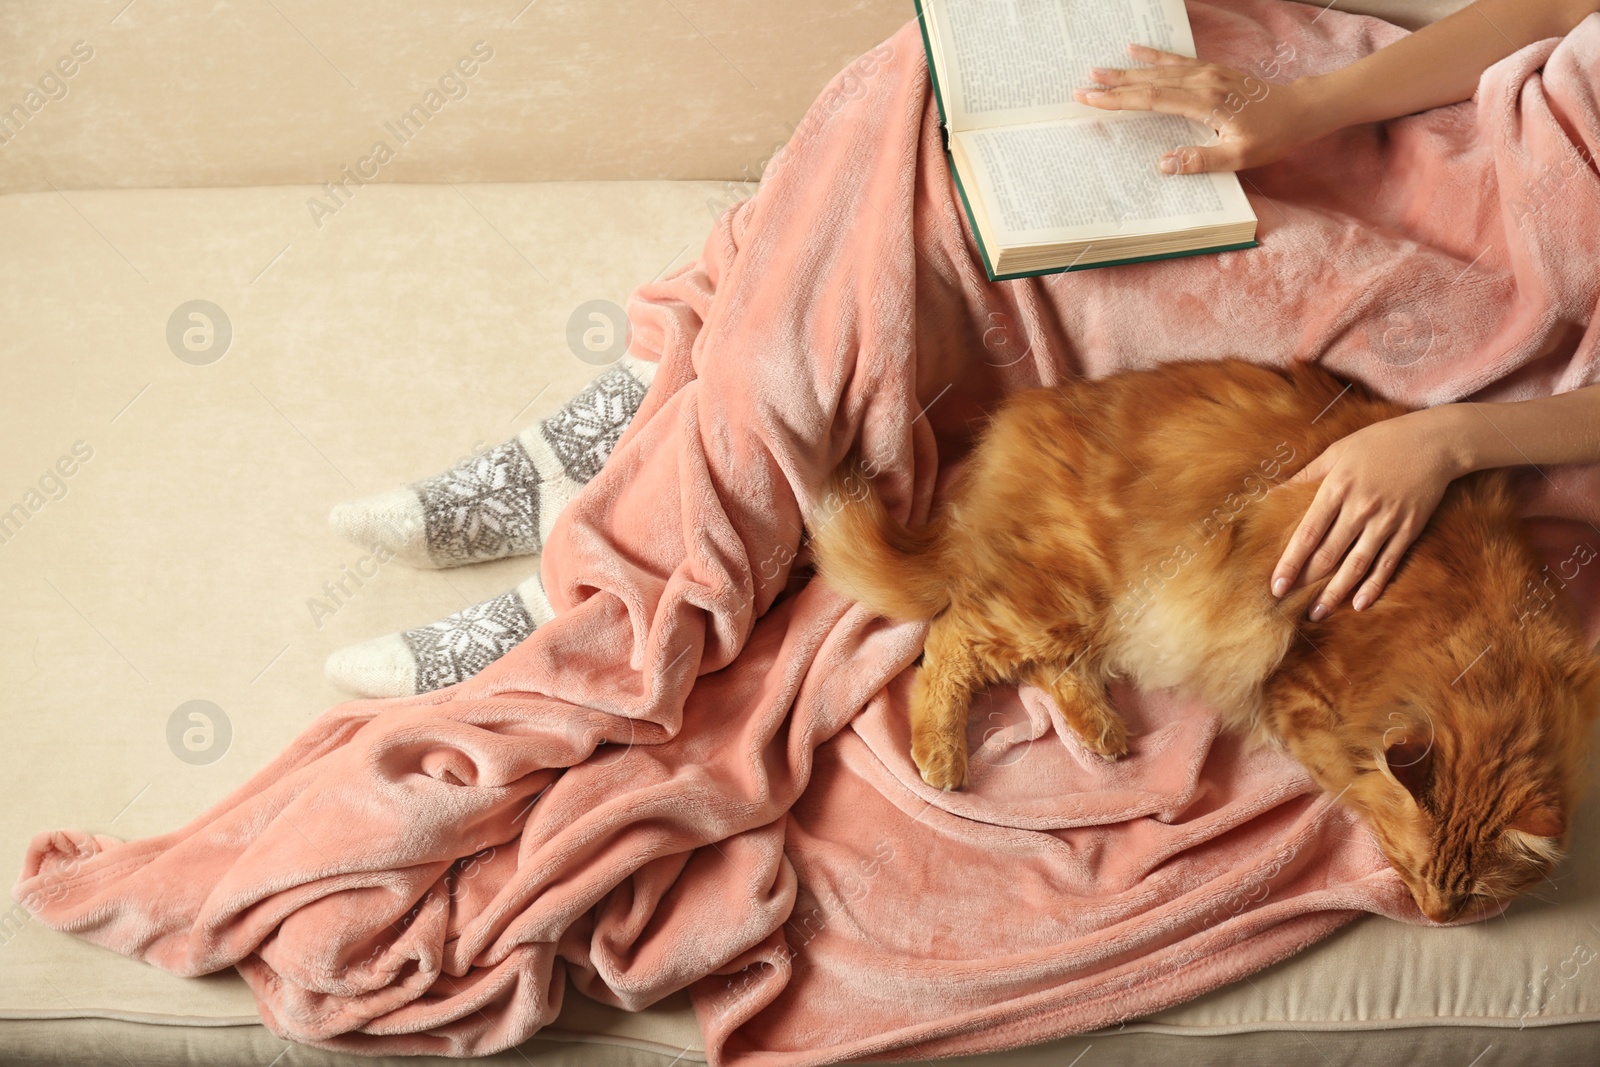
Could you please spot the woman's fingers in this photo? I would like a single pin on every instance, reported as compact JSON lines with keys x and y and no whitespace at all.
{"x":1307,"y":536}
{"x":1198,"y":159}
{"x":1383,"y":570}
{"x":1357,"y":564}
{"x":1176,"y":85}
{"x":1158,"y":65}
{"x":1335,"y":543}
{"x":1169,"y":99}
{"x":1145,"y":54}
{"x":1136,"y":75}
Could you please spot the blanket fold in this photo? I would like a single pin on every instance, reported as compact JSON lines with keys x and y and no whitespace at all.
{"x":696,"y":776}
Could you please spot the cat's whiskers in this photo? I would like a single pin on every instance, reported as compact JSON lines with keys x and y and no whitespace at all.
{"x":1499,"y":904}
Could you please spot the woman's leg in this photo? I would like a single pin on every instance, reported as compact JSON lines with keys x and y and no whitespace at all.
{"x":498,"y":503}
{"x":502,"y":502}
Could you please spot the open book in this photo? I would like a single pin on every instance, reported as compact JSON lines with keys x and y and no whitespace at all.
{"x":1053,"y":185}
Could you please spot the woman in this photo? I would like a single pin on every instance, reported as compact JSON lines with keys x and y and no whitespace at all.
{"x":1365,"y":515}
{"x":1369,"y":508}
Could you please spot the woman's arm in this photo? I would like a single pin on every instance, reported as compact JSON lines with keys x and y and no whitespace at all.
{"x":1553,"y":429}
{"x":1440,"y":63}
{"x":1369,"y":507}
{"x":1257,"y":123}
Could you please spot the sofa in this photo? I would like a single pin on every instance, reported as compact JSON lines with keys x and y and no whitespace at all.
{"x":226,"y":310}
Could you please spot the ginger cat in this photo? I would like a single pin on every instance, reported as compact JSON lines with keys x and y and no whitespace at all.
{"x":1127,"y":527}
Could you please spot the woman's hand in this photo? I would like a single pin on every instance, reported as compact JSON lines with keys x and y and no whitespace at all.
{"x":1379,"y":487}
{"x":1256,"y":121}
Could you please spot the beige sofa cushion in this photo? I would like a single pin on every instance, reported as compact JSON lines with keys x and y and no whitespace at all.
{"x":181,"y":560}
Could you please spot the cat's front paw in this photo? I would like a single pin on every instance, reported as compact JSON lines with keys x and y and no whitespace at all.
{"x":1107,"y":737}
{"x":941,"y":761}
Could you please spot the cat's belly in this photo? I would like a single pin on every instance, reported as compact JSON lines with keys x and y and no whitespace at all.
{"x":1184,"y":636}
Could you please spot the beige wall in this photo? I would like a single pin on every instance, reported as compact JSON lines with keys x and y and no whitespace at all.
{"x":265,"y":92}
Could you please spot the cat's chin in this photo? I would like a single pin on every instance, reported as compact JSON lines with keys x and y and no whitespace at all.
{"x":1467,"y":910}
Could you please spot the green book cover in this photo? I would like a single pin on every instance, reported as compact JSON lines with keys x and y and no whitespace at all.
{"x":966,"y":205}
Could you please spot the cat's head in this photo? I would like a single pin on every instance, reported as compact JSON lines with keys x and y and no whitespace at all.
{"x":1470,"y":787}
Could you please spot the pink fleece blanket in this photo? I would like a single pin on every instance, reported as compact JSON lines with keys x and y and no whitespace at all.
{"x":423,"y":875}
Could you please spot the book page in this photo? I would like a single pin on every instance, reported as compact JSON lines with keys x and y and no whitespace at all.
{"x":1008,"y":61}
{"x":1045,"y":182}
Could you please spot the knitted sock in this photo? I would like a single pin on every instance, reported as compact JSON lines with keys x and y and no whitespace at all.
{"x":445,"y":652}
{"x":502,"y":502}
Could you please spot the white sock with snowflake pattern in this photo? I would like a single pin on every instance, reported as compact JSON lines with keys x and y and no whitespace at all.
{"x":445,"y":652}
{"x":504,"y":501}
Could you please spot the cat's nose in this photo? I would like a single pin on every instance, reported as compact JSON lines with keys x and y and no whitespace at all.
{"x":1445,"y":910}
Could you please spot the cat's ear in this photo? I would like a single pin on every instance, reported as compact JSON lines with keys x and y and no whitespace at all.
{"x":1409,"y":762}
{"x":1405,"y":752}
{"x":1540,"y":819}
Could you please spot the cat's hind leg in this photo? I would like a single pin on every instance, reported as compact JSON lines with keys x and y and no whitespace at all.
{"x":1081,"y":696}
{"x":940,"y":700}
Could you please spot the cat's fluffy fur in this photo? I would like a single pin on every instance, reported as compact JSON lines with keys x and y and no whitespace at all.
{"x":1128,"y":527}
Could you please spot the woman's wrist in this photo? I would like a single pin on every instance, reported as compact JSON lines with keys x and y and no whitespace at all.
{"x":1437,"y":65}
{"x":1458,"y":435}
{"x":1321,"y":105}
{"x":1547,"y":430}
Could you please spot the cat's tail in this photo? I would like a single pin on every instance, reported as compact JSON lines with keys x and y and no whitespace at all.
{"x":861,"y":550}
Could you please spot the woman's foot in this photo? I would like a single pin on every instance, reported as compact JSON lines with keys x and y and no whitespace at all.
{"x":502,"y":502}
{"x":445,"y":652}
